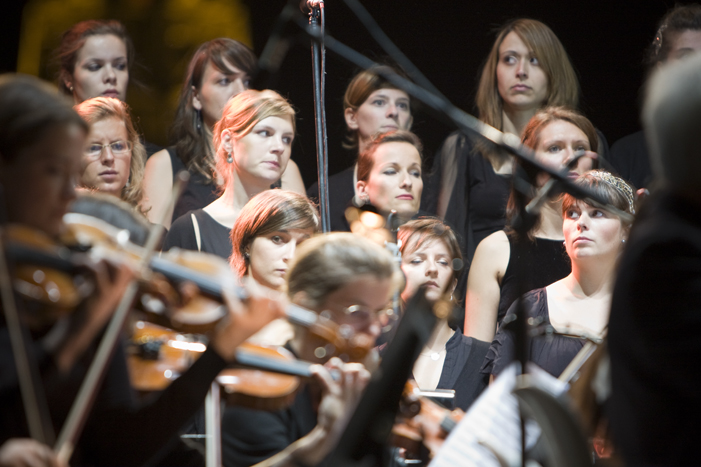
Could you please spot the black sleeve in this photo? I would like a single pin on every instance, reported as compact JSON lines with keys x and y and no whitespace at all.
{"x":181,"y":234}
{"x":502,"y":350}
{"x":120,"y":432}
{"x":471,"y":381}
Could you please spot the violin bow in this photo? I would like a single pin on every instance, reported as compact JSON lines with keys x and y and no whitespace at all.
{"x":33,"y":397}
{"x":75,"y":422}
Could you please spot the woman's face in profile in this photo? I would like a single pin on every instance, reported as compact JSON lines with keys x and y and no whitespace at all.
{"x":521,"y":81}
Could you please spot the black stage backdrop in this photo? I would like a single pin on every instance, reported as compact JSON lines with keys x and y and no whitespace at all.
{"x":448,"y":40}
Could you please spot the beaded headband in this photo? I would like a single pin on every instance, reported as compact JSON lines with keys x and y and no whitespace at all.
{"x":618,"y":184}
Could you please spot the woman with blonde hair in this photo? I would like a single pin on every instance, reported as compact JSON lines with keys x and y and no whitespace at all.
{"x":219,"y":70}
{"x":113,"y":158}
{"x":253,"y":142}
{"x":527,"y":69}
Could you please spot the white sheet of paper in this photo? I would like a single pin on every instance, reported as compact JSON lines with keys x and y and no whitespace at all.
{"x":493,"y":424}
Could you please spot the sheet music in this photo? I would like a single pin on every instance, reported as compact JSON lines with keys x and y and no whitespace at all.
{"x":492,"y":424}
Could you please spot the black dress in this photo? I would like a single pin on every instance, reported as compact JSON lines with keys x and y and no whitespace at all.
{"x":249,"y":436}
{"x":461,"y":369}
{"x":552,"y":353}
{"x":341,"y":192}
{"x":545,"y":262}
{"x":119,"y":430}
{"x":199,"y":191}
{"x":653,"y":337}
{"x":631,"y":158}
{"x":214,"y":237}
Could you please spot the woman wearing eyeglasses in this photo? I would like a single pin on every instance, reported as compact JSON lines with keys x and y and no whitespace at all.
{"x":113,"y":158}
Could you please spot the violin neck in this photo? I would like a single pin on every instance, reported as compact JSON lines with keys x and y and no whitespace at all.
{"x":301,"y":316}
{"x":249,"y":359}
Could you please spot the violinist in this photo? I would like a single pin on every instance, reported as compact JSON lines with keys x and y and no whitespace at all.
{"x":431,"y":258}
{"x":266,"y":234}
{"x":41,"y":145}
{"x":351,"y":280}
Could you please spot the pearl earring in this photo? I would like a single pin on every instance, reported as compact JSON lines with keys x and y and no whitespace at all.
{"x":623,"y":240}
{"x":229,"y":158}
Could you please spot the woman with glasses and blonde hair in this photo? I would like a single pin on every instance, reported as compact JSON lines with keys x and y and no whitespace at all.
{"x":113,"y":158}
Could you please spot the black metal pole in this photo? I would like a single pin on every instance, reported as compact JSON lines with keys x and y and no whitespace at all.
{"x":316,"y":24}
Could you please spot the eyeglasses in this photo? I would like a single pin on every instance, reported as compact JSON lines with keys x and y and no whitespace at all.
{"x":117,"y":147}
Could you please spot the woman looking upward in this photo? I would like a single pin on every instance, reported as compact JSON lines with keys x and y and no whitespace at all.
{"x":580,"y":303}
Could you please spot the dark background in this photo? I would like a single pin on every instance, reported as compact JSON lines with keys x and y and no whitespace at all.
{"x":447,"y":41}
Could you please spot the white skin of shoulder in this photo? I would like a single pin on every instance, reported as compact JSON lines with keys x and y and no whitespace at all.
{"x":483,"y":286}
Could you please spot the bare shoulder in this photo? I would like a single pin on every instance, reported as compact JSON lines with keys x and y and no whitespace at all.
{"x":159,"y":161}
{"x":492,"y":254}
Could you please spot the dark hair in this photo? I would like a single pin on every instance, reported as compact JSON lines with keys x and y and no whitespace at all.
{"x":614,"y":190}
{"x":366,"y":158}
{"x":29,"y":108}
{"x":678,"y":19}
{"x":359,"y":89}
{"x":74,"y":39}
{"x":192,"y":140}
{"x":531,"y":138}
{"x":267,"y":212}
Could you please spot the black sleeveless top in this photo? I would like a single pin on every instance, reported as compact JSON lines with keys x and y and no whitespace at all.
{"x":545,"y":262}
{"x":214,"y":237}
{"x":199,"y":191}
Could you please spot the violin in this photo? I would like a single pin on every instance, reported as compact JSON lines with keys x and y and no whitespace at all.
{"x":262,"y":377}
{"x":44,"y":272}
{"x":424,"y":424}
{"x":163,"y":300}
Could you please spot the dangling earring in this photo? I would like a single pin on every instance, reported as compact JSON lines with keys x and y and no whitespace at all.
{"x":229,"y":158}
{"x":198,"y":120}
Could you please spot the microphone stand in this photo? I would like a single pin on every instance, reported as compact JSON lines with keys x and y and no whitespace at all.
{"x":317,"y":22}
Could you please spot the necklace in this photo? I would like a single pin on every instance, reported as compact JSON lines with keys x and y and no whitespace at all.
{"x":435,"y":356}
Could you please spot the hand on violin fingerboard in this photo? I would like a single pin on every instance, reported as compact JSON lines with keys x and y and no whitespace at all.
{"x":25,"y":452}
{"x":341,"y":386}
{"x":246,"y":317}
